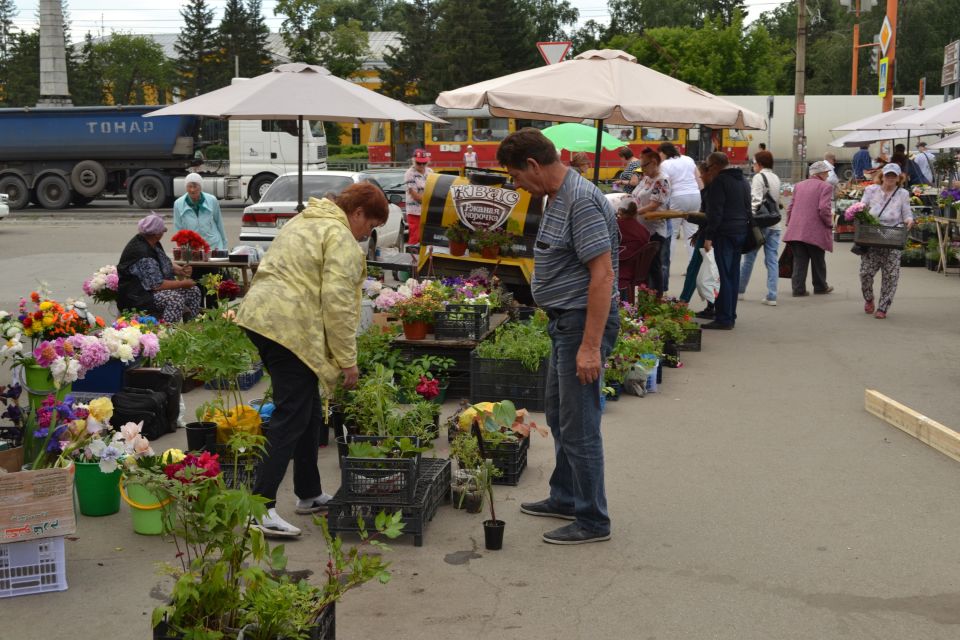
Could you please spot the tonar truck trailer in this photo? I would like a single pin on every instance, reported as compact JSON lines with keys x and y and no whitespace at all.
{"x":58,"y":156}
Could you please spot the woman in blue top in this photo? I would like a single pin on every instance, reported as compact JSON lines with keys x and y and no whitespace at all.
{"x":200,"y":212}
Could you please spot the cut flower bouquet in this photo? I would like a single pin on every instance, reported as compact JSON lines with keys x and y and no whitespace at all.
{"x":861,"y":213}
{"x":102,"y":285}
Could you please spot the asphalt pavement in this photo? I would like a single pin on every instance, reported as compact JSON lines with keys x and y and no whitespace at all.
{"x":751,"y":498}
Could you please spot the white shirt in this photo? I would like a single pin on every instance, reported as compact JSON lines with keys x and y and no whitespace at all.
{"x":923,"y":160}
{"x":470,"y":159}
{"x":682,"y":173}
{"x":890,"y":209}
{"x":832,"y":178}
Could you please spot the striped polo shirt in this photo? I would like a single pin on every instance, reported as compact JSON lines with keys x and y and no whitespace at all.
{"x":578,"y":225}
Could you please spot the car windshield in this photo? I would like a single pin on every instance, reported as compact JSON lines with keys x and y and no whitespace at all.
{"x":284,"y":188}
{"x":389,"y":180}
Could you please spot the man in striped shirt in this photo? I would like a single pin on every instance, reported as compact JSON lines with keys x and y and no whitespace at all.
{"x":574,"y":280}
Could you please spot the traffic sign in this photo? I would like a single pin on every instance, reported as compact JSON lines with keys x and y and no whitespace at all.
{"x":886,"y":35}
{"x":882,"y":74}
{"x":553,"y":52}
{"x":951,"y":64}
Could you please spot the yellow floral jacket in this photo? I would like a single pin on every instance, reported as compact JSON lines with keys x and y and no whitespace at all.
{"x":307,"y":291}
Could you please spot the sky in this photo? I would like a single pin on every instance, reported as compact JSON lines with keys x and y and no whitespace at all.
{"x":144,"y":16}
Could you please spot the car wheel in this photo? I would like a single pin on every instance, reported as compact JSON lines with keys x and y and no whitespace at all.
{"x":18,"y":195}
{"x":53,"y":192}
{"x":372,"y":247}
{"x":259,"y":187}
{"x":149,"y":192}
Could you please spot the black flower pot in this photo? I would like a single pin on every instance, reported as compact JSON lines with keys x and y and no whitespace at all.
{"x":493,"y":534}
{"x":201,"y":436}
{"x":672,"y":355}
{"x":473,"y":501}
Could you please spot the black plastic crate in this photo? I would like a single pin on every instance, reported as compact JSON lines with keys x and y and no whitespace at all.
{"x":459,"y":373}
{"x":461,"y":321}
{"x":245,"y":381}
{"x":692,"y":341}
{"x":495,"y":380}
{"x":510,"y":458}
{"x":433,"y":487}
{"x":379,"y":480}
{"x":325,"y":628}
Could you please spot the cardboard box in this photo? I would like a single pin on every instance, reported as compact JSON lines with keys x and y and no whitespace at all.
{"x":36,"y":504}
{"x":11,"y":459}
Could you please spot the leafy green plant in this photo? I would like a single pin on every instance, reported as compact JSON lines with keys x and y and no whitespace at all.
{"x":527,"y":342}
{"x":389,"y":447}
{"x":408,"y":374}
{"x":375,"y":346}
{"x":370,"y":406}
{"x":457,"y":233}
{"x":465,"y":451}
{"x":489,"y":238}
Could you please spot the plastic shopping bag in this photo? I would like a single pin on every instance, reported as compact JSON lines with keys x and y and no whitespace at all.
{"x":708,"y":278}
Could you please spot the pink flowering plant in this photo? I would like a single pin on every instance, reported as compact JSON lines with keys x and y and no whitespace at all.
{"x":69,"y":359}
{"x":861,"y":213}
{"x":102,"y":285}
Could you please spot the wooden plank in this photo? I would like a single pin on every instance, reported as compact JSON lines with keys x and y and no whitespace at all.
{"x":36,"y":504}
{"x":924,"y":429}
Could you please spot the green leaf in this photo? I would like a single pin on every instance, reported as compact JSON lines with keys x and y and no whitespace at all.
{"x":504,"y":412}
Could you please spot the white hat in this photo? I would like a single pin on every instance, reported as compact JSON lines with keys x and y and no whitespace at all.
{"x":820,"y":166}
{"x":469,"y":146}
{"x":193,"y":178}
{"x":892,"y":167}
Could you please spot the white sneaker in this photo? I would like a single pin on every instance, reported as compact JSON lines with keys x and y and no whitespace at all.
{"x":314,"y":505}
{"x":769,"y":303}
{"x":273,"y":526}
{"x":741,"y":296}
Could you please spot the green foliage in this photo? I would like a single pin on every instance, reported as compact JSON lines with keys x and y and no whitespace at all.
{"x":390,"y":447}
{"x":527,"y":342}
{"x":375,"y":346}
{"x":346,"y":151}
{"x":130,"y":64}
{"x":464,"y":449}
{"x":195,"y":64}
{"x":408,"y":374}
{"x":316,"y":33}
{"x":21,"y":84}
{"x":457,"y":233}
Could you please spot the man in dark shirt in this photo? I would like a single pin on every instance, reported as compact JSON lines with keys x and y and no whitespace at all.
{"x":861,"y":162}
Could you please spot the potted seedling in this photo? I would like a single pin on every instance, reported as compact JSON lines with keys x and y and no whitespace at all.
{"x":464,"y":491}
{"x":491,"y":242}
{"x":458,"y":235}
{"x":492,"y":528}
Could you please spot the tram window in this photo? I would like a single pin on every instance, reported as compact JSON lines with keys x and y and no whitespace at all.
{"x":624,"y":134}
{"x":536,"y":124}
{"x":454,"y":131}
{"x":735,"y":135}
{"x":378,"y":132}
{"x":490,"y":129}
{"x":656,"y":133}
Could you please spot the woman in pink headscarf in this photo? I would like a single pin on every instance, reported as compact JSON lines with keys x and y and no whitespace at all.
{"x":148,"y":279}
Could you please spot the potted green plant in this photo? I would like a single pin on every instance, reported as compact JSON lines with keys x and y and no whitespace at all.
{"x":492,"y":528}
{"x":424,"y":377}
{"x":416,"y":313}
{"x":932,"y":254}
{"x":458,"y":235}
{"x":513,"y":365}
{"x":464,"y":491}
{"x":491,"y":242}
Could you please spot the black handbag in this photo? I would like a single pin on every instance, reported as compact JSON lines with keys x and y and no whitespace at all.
{"x":141,"y":405}
{"x":168,"y":380}
{"x":754,"y":239}
{"x":767,"y":212}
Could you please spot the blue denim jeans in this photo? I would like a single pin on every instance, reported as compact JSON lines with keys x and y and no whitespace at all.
{"x":573,"y":414}
{"x":771,"y":244}
{"x":727,"y":255}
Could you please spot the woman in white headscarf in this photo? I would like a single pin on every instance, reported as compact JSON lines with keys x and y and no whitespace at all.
{"x":200,"y":212}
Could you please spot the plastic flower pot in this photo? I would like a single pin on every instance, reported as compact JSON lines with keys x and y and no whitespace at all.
{"x":490,"y":253}
{"x":97,"y":492}
{"x":146,"y":509}
{"x":458,"y":248}
{"x":201,"y":436}
{"x":415,"y":330}
{"x":473,"y":501}
{"x":493,"y":534}
{"x":39,"y":384}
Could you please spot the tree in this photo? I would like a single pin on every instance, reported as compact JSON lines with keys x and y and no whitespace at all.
{"x":8,"y":11}
{"x":135,"y":70}
{"x":196,"y":64}
{"x":300,"y":29}
{"x":402,"y":79}
{"x":86,"y":78}
{"x":22,"y":87}
{"x":255,"y":58}
{"x":231,"y":39}
{"x":313,"y":34}
{"x":343,"y":50}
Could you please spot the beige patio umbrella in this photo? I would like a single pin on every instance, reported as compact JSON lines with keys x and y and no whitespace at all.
{"x":606,"y":85}
{"x":293,"y":92}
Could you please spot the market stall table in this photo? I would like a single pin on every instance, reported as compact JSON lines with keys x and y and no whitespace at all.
{"x":247,"y":269}
{"x":943,"y":239}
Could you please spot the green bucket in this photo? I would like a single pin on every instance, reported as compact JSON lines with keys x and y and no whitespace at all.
{"x":39,"y":384}
{"x":97,"y":492}
{"x":145,"y":507}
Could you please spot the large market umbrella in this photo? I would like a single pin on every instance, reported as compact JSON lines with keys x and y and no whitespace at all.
{"x":943,"y":116}
{"x":293,"y":92}
{"x":950,"y":142}
{"x":574,"y":136}
{"x":882,"y":120}
{"x":868,"y":136}
{"x":606,"y":85}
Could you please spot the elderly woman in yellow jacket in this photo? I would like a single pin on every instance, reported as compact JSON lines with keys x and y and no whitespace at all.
{"x":302,"y":313}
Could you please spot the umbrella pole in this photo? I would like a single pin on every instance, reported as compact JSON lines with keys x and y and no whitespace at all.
{"x":299,"y":164}
{"x":596,"y":157}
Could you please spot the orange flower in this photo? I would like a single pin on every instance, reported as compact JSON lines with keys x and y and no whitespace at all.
{"x":35,"y":297}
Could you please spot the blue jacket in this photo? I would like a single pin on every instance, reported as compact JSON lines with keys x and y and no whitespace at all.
{"x":861,"y":162}
{"x":208,"y":223}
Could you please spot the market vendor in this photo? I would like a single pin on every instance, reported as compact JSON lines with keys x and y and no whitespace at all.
{"x":200,"y":212}
{"x":302,"y":312}
{"x":148,"y":280}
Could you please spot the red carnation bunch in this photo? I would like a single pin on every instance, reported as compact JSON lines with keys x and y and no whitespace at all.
{"x":193,"y":468}
{"x":192,"y":239}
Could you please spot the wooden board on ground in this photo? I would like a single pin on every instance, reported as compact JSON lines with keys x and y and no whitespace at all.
{"x":36,"y":504}
{"x":924,"y":429}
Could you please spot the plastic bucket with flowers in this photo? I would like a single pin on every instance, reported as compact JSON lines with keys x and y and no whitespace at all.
{"x":98,"y":493}
{"x":146,"y":508}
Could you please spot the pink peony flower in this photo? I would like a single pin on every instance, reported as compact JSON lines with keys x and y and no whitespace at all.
{"x":149,"y":345}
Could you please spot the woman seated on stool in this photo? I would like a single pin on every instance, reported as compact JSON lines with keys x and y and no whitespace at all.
{"x":147,"y":277}
{"x":633,"y":237}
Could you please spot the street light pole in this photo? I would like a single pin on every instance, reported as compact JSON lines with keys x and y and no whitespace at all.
{"x":799,"y":135}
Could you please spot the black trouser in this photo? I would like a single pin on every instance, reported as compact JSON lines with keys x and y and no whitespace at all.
{"x":804,"y":253}
{"x":294,"y":432}
{"x":655,"y":277}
